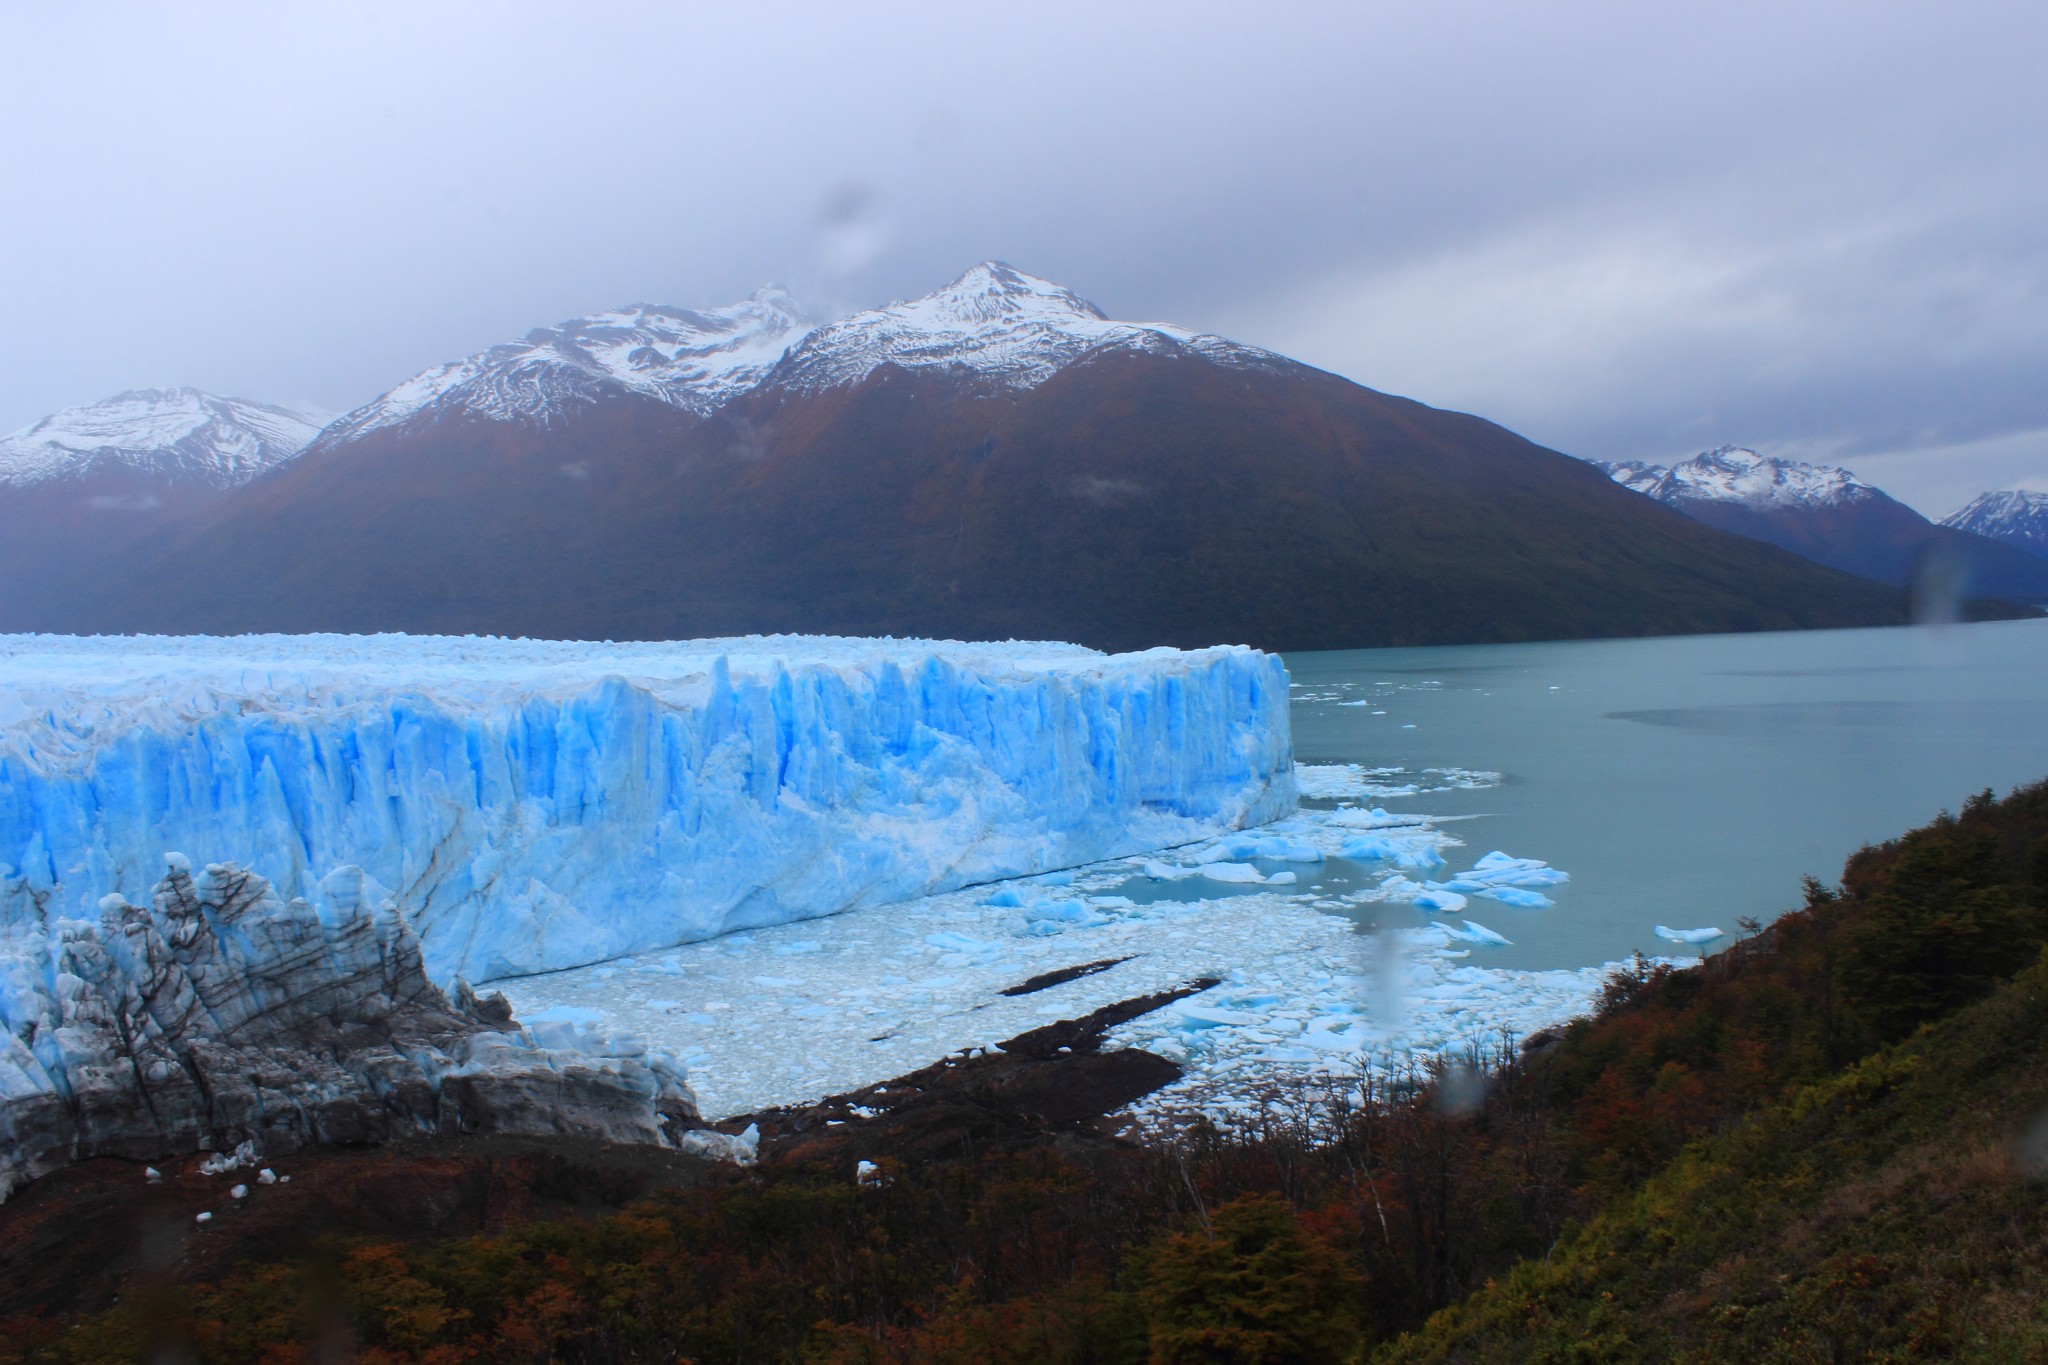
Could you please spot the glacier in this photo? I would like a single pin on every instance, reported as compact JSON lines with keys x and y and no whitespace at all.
{"x":537,"y":805}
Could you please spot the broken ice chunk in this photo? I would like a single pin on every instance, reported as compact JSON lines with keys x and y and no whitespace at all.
{"x":1687,"y":935}
{"x":743,"y":1150}
{"x":1515,"y":895}
{"x":1473,"y":932}
{"x":1231,"y":872}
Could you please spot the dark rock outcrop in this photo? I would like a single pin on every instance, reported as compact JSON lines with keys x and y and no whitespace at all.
{"x":220,"y":1015}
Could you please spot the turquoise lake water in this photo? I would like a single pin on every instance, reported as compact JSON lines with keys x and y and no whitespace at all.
{"x":1685,"y":781}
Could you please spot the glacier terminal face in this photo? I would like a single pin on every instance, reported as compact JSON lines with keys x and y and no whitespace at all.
{"x":534,"y":805}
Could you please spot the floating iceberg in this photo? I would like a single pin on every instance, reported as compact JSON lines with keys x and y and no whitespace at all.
{"x":1687,"y":935}
{"x":536,"y":805}
{"x":1473,"y":932}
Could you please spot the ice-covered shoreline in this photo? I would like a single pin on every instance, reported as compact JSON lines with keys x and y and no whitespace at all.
{"x":787,"y":1015}
{"x":534,"y":805}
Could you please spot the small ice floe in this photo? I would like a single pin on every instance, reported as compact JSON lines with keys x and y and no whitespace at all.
{"x":1516,"y":896}
{"x":239,"y":1192}
{"x":202,"y":1218}
{"x":1283,"y":848}
{"x":1375,"y":818}
{"x":1231,"y":872}
{"x":266,"y":1176}
{"x":743,"y":1150}
{"x":152,"y":1174}
{"x":867,"y":1173}
{"x":1473,"y":932}
{"x":1687,"y":935}
{"x":1509,"y":880}
{"x":1211,"y":1016}
{"x":1163,"y":872}
{"x":1447,"y":902}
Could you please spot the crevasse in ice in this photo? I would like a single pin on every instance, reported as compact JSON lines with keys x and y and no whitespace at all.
{"x":535,"y":805}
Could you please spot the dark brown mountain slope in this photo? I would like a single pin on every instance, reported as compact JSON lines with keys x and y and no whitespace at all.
{"x":1134,"y":498}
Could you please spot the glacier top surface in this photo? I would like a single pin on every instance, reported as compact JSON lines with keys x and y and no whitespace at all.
{"x":52,"y":683}
{"x":1735,"y":474}
{"x":179,"y":434}
{"x":2015,"y":514}
{"x":693,"y":360}
{"x":995,"y":323}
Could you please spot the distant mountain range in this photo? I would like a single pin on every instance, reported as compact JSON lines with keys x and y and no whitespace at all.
{"x":995,"y":459}
{"x":83,"y":489}
{"x":1831,"y":517}
{"x":2019,"y":519}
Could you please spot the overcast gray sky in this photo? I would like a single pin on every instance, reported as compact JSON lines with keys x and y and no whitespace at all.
{"x":1622,"y":229}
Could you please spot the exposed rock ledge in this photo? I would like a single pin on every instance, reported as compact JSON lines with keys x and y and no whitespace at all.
{"x":221,"y":1015}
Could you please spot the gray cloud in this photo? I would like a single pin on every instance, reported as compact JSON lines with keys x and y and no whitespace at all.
{"x":1622,"y":230}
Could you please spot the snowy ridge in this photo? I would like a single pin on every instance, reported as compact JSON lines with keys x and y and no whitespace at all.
{"x":995,"y":324}
{"x":1734,"y":474}
{"x":535,"y":805}
{"x":177,"y":434}
{"x":2017,"y":517}
{"x":698,"y":361}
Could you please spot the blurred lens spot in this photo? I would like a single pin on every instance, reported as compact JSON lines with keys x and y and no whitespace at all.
{"x":1387,"y":1004}
{"x":852,"y":229}
{"x":2030,"y":1151}
{"x":1940,"y":581}
{"x":1461,"y":1089}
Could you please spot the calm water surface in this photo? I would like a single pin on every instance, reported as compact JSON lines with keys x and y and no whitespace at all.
{"x":1684,"y":781}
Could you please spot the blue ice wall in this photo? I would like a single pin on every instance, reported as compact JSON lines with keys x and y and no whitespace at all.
{"x":531,"y":810}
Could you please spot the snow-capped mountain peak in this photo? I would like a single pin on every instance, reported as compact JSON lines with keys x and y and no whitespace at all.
{"x":995,"y":325}
{"x":1740,"y":475}
{"x":694,"y":360}
{"x":2016,"y":516}
{"x":180,"y":435}
{"x":995,"y":293}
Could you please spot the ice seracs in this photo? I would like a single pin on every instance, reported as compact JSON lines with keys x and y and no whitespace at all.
{"x":693,"y":360}
{"x":534,"y":805}
{"x":178,"y":435}
{"x":994,"y":326}
{"x":1738,"y":474}
{"x":2017,"y":517}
